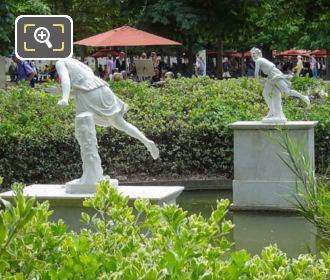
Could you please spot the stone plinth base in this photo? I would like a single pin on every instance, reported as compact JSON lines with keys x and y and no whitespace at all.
{"x":261,"y":179}
{"x":69,"y":207}
{"x":57,"y":196}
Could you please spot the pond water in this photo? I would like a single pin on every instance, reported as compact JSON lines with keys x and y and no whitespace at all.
{"x":255,"y":230}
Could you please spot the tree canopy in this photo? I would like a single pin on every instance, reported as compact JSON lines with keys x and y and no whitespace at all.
{"x":237,"y":24}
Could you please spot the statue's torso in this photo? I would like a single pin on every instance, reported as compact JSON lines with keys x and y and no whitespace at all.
{"x":267,"y":67}
{"x":81,"y":76}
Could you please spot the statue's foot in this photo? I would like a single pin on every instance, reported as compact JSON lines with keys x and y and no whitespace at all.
{"x":306,"y":99}
{"x":153,"y":149}
{"x":269,"y":115}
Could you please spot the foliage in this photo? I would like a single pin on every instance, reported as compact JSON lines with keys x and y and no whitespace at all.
{"x":143,"y":242}
{"x":313,"y":194}
{"x":315,"y":25}
{"x":269,"y":25}
{"x":188,"y":119}
{"x":90,"y":17}
{"x":9,"y":10}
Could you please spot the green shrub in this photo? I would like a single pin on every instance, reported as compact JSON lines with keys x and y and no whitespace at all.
{"x":187,"y":119}
{"x":312,"y":198}
{"x":150,"y":242}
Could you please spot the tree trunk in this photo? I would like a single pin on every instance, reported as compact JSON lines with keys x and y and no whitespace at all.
{"x":242,"y":64}
{"x":190,"y":67}
{"x":169,"y":59}
{"x":327,"y":76}
{"x":96,"y":65}
{"x":267,"y":53}
{"x":179,"y":61}
{"x":219,"y":59}
{"x":83,"y":51}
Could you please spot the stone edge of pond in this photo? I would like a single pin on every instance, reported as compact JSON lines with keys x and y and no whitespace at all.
{"x":265,"y":208}
{"x":189,"y":185}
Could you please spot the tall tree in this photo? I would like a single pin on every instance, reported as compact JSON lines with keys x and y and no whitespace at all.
{"x":224,"y":24}
{"x":315,"y":28}
{"x":9,"y":10}
{"x":90,"y":16}
{"x":179,"y":20}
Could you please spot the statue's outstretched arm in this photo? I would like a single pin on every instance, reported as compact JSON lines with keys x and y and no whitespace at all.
{"x":63,"y":73}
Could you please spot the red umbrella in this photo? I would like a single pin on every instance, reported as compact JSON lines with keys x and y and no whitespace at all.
{"x":125,"y":36}
{"x":294,"y":53}
{"x":104,"y":53}
{"x":319,"y":53}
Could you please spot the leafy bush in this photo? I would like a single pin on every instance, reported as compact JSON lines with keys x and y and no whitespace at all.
{"x":312,"y":198}
{"x":149,"y":242}
{"x":187,"y":118}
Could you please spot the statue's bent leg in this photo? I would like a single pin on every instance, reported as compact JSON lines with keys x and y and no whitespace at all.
{"x":269,"y":102}
{"x":295,"y":93}
{"x":86,"y":136}
{"x":277,"y":106}
{"x":121,"y":124}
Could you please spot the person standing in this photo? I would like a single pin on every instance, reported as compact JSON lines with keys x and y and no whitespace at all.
{"x":12,"y":72}
{"x":121,"y":62}
{"x":34,"y":67}
{"x":200,"y":66}
{"x":110,"y":66}
{"x":313,"y":66}
{"x":299,"y":66}
{"x":250,"y":67}
{"x":157,"y":64}
{"x":24,"y":70}
{"x":226,"y":66}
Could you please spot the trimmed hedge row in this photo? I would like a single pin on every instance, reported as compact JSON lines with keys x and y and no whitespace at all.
{"x":187,"y":119}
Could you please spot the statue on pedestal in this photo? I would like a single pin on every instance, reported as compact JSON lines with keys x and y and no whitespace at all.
{"x":275,"y":84}
{"x":96,"y":104}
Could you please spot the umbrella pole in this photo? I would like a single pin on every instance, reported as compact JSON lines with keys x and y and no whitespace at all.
{"x":126,"y":59}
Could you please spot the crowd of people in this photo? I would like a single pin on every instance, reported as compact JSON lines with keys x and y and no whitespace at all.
{"x":20,"y":70}
{"x":302,"y":66}
{"x":121,"y":68}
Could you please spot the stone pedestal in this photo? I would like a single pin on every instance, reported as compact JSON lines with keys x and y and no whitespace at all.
{"x":69,"y":206}
{"x":261,"y":180}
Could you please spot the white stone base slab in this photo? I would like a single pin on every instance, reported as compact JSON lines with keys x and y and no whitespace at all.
{"x":69,"y":207}
{"x":75,"y":187}
{"x":261,"y":179}
{"x":58,"y":197}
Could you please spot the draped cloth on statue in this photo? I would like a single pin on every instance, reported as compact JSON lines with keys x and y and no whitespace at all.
{"x":279,"y":83}
{"x":92,"y":93}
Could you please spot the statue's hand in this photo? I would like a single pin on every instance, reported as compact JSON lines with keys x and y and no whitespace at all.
{"x":63,"y":103}
{"x":262,"y":81}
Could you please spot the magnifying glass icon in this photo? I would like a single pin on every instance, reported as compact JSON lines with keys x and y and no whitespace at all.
{"x":41,"y":35}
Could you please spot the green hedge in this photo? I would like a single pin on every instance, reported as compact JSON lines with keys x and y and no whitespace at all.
{"x":145,"y":242}
{"x":187,"y":119}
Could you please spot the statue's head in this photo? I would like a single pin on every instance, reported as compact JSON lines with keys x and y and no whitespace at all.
{"x":256,"y":53}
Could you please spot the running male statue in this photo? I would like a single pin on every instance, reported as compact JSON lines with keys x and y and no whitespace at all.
{"x":275,"y":84}
{"x":96,"y":104}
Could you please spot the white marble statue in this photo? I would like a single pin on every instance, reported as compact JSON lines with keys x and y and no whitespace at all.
{"x":275,"y":84}
{"x":93,"y":96}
